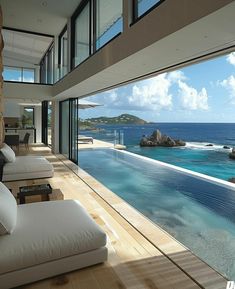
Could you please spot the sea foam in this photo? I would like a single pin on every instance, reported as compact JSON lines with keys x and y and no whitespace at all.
{"x":204,"y":146}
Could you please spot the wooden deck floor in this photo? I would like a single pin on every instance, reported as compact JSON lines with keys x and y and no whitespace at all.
{"x":141,"y":255}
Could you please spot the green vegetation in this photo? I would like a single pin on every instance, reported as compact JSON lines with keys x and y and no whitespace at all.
{"x":121,"y":119}
{"x":90,"y":123}
{"x":85,"y":125}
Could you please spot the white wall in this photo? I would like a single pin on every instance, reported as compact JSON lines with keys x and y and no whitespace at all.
{"x":11,"y":109}
{"x":27,"y":91}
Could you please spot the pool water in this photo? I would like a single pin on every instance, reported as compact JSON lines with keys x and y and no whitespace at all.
{"x":213,"y":161}
{"x":197,"y":212}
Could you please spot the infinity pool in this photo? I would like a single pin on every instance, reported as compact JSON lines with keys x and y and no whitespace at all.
{"x":198,"y":212}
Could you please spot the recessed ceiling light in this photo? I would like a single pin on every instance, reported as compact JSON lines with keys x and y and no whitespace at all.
{"x":44,"y":3}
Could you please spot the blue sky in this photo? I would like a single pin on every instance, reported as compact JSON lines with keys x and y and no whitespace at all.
{"x":203,"y":92}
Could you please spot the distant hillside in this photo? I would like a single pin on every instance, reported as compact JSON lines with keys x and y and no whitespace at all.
{"x":121,"y":119}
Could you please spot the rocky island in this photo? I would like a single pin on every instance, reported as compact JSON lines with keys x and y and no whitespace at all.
{"x":157,"y":139}
{"x":232,"y":154}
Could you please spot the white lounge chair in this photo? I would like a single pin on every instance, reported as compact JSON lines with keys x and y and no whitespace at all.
{"x":46,"y":239}
{"x":85,"y":139}
{"x":23,"y":167}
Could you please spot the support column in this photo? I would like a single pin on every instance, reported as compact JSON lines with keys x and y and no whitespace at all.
{"x":127,"y":6}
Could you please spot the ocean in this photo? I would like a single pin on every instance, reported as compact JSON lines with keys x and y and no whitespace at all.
{"x":210,"y":160}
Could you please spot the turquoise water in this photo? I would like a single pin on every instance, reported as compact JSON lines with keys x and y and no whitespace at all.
{"x":213,"y":161}
{"x":198,"y":213}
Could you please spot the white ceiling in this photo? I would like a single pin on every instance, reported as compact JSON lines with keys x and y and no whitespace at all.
{"x":23,"y":48}
{"x":44,"y":16}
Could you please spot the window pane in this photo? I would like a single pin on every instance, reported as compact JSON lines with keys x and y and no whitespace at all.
{"x":28,"y":75}
{"x":82,"y":36}
{"x":43,"y":70}
{"x":145,"y":5}
{"x":50,"y":62}
{"x":12,"y":73}
{"x":28,"y":117}
{"x":64,"y":54}
{"x":108,"y":20}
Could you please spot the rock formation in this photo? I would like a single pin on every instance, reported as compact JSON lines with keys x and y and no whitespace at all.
{"x":232,"y":154}
{"x":226,"y":147}
{"x":157,"y":139}
{"x":232,"y":180}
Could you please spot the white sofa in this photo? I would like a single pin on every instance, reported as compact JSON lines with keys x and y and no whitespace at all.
{"x":27,"y":167}
{"x":14,"y":168}
{"x":49,"y":238}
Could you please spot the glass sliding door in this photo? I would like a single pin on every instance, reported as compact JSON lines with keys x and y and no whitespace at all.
{"x":64,"y":128}
{"x":44,"y":122}
{"x":82,"y":35}
{"x":109,"y":21}
{"x":74,"y":130}
{"x":69,"y":129}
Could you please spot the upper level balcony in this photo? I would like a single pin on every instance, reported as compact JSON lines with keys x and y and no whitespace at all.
{"x":99,"y":46}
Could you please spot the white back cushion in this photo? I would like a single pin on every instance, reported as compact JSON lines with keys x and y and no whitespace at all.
{"x":8,"y":211}
{"x":8,"y":153}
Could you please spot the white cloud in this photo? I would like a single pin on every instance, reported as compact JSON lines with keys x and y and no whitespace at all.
{"x":231,"y":58}
{"x":229,"y":84}
{"x":176,"y":75}
{"x":191,"y":99}
{"x":151,"y":94}
{"x":154,"y":95}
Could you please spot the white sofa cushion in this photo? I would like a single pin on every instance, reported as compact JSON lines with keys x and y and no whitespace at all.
{"x":48,"y":231}
{"x":27,"y":167}
{"x":8,"y":153}
{"x":8,"y":211}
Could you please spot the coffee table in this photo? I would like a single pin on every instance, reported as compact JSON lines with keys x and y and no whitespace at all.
{"x":44,"y":190}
